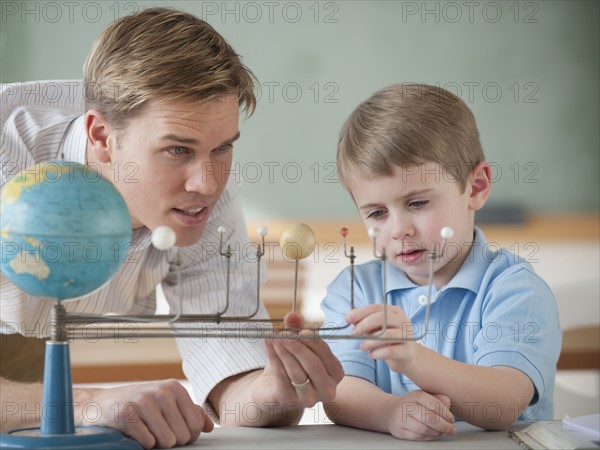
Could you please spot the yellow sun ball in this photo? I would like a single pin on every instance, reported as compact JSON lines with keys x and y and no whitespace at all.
{"x":297,"y":241}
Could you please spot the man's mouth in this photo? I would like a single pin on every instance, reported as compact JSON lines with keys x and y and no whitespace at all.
{"x":191,"y":211}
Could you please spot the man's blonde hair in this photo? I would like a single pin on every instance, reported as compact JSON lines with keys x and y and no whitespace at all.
{"x":166,"y":55}
{"x":409,"y":124}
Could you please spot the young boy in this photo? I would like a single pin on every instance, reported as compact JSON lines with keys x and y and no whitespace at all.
{"x":411,"y":158}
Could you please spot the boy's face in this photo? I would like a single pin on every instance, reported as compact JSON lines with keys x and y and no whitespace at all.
{"x":172,"y":162}
{"x":410,"y":208}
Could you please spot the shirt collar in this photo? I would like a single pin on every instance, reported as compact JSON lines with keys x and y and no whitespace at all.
{"x":73,"y":148}
{"x":473,"y":269}
{"x":141,"y":238}
{"x":468,"y":276}
{"x":74,"y":144}
{"x":397,"y":279}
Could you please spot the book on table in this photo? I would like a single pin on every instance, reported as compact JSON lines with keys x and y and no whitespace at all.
{"x":568,"y":434}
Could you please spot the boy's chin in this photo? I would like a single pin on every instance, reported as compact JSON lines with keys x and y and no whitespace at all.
{"x":418,"y":275}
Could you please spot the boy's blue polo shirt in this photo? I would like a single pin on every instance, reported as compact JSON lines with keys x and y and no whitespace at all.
{"x":495,"y":312}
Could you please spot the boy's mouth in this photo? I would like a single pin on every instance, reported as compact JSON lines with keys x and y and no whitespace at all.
{"x":412,"y":256}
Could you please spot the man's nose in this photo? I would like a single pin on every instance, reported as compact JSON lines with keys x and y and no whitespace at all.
{"x":204,"y":178}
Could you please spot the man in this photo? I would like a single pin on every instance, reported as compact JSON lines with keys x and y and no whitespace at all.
{"x":162,"y":94}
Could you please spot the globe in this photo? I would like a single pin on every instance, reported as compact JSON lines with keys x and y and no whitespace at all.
{"x":65,"y":230}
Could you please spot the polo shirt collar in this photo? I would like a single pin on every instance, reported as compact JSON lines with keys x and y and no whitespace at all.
{"x":397,"y":279}
{"x":469,"y":275}
{"x":473,"y":269}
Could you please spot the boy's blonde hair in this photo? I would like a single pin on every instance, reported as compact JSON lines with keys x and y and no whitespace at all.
{"x":162,"y":54}
{"x":409,"y":124}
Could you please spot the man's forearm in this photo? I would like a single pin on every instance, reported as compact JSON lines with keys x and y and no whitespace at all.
{"x":235,"y":405}
{"x":21,"y":404}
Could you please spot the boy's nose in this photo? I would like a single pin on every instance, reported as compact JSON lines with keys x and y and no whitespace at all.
{"x":402,"y":229}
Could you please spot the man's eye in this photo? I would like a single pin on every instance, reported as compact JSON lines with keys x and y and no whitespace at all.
{"x":223,"y":148}
{"x":178,"y":150}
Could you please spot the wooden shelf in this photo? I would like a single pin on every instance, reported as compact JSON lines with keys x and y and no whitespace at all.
{"x":157,"y":359}
{"x":132,"y":359}
{"x":580,"y":348}
{"x":538,"y":227}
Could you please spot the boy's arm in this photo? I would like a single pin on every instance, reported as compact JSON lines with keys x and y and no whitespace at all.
{"x":416,"y":415}
{"x":488,"y":397}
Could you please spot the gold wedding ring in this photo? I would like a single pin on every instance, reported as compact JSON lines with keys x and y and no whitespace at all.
{"x":301,"y":385}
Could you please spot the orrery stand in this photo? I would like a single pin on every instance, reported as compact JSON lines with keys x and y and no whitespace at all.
{"x":57,"y":429}
{"x":57,"y":424}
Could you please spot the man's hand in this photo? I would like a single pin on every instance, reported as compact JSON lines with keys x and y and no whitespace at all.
{"x":158,"y":414}
{"x":309,"y":363}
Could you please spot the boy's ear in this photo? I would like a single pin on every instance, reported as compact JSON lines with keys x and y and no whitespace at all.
{"x":480,"y":185}
{"x":98,"y":132}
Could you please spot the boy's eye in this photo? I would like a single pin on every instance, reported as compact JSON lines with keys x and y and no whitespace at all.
{"x":418,"y":203}
{"x":376,"y":214}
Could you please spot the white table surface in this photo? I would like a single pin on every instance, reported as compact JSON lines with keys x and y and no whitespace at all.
{"x":329,"y":437}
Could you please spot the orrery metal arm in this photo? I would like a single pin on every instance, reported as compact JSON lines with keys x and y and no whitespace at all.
{"x":219,"y":325}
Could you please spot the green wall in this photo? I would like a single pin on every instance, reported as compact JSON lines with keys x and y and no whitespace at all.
{"x":529,"y":70}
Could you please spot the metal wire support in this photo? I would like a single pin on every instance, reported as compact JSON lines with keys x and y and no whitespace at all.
{"x":220,"y":325}
{"x":58,"y":330}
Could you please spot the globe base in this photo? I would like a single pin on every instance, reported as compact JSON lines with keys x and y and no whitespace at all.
{"x":85,"y":438}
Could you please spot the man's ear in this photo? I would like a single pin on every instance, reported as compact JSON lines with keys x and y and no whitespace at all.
{"x":480,"y":185}
{"x":98,"y":132}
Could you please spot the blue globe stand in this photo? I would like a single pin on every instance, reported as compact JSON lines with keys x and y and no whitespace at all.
{"x":45,"y":204}
{"x":57,"y":426}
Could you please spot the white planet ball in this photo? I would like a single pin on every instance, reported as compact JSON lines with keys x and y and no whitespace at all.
{"x":297,"y":241}
{"x":447,"y":232}
{"x":163,"y":237}
{"x":373,"y":232}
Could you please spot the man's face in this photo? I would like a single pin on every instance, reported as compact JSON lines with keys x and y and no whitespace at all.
{"x":172,"y":162}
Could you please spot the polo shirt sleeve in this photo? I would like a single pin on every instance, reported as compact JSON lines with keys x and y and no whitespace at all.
{"x":520,"y":327}
{"x":336,"y":305}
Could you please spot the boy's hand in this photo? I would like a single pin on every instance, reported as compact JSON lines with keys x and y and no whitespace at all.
{"x":370,"y":320}
{"x":421,"y":416}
